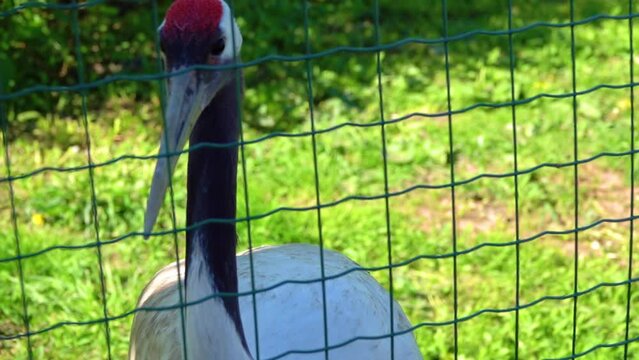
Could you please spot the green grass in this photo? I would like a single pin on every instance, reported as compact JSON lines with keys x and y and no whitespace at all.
{"x":54,"y":208}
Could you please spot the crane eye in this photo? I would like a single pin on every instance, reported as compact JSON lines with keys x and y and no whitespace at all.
{"x":218,"y":47}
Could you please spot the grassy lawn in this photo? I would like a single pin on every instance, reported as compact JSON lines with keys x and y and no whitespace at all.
{"x":53,"y":208}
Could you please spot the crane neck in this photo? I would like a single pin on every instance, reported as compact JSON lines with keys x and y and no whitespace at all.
{"x":210,"y":248}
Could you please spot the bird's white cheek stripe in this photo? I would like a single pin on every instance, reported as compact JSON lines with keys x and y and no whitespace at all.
{"x":210,"y":330}
{"x":229,"y":27}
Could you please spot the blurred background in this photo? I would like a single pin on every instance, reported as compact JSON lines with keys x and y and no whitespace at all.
{"x":53,"y":208}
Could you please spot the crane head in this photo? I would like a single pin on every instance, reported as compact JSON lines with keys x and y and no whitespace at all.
{"x":194,"y":32}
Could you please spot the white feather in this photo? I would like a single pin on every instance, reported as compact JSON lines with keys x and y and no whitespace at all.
{"x":289,"y":317}
{"x":213,"y":331}
{"x":232,"y":34}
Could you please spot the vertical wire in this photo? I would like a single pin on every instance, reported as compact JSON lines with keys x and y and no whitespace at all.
{"x":238,"y":83}
{"x":176,"y":247}
{"x":94,"y":205}
{"x":576,"y":174}
{"x":452,"y":176}
{"x":386,"y":197}
{"x":632,"y":176}
{"x":516,"y":171}
{"x":4,"y":121}
{"x":309,"y":77}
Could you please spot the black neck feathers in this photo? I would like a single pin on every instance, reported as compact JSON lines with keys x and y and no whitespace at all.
{"x":211,"y":194}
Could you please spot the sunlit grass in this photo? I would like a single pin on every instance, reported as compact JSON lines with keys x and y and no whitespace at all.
{"x":53,"y":208}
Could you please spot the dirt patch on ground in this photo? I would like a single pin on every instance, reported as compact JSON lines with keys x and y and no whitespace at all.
{"x":479,"y":215}
{"x":475,"y":211}
{"x":604,"y":194}
{"x":6,"y":347}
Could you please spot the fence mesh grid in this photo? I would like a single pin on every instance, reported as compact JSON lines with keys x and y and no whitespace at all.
{"x":83,"y":86}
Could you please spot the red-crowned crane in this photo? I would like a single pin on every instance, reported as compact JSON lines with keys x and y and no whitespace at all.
{"x":203,"y":105}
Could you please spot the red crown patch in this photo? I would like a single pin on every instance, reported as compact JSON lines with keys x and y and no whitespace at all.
{"x":192,"y":16}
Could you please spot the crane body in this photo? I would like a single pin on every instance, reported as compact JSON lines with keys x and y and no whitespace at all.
{"x":203,"y":107}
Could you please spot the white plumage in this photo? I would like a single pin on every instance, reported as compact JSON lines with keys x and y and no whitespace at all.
{"x":290,"y":317}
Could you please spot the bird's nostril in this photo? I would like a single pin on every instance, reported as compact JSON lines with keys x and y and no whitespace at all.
{"x":189,"y":91}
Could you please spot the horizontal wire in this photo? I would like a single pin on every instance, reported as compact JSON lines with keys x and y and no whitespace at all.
{"x":343,"y":200}
{"x":316,"y":132}
{"x":345,"y":343}
{"x":428,"y":256}
{"x":597,"y":347}
{"x":394,"y":265}
{"x":298,"y":58}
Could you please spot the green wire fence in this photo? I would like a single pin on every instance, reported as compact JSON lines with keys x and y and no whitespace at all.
{"x":99,"y":243}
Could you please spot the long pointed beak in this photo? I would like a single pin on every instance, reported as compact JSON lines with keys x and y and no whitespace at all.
{"x":185,"y":104}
